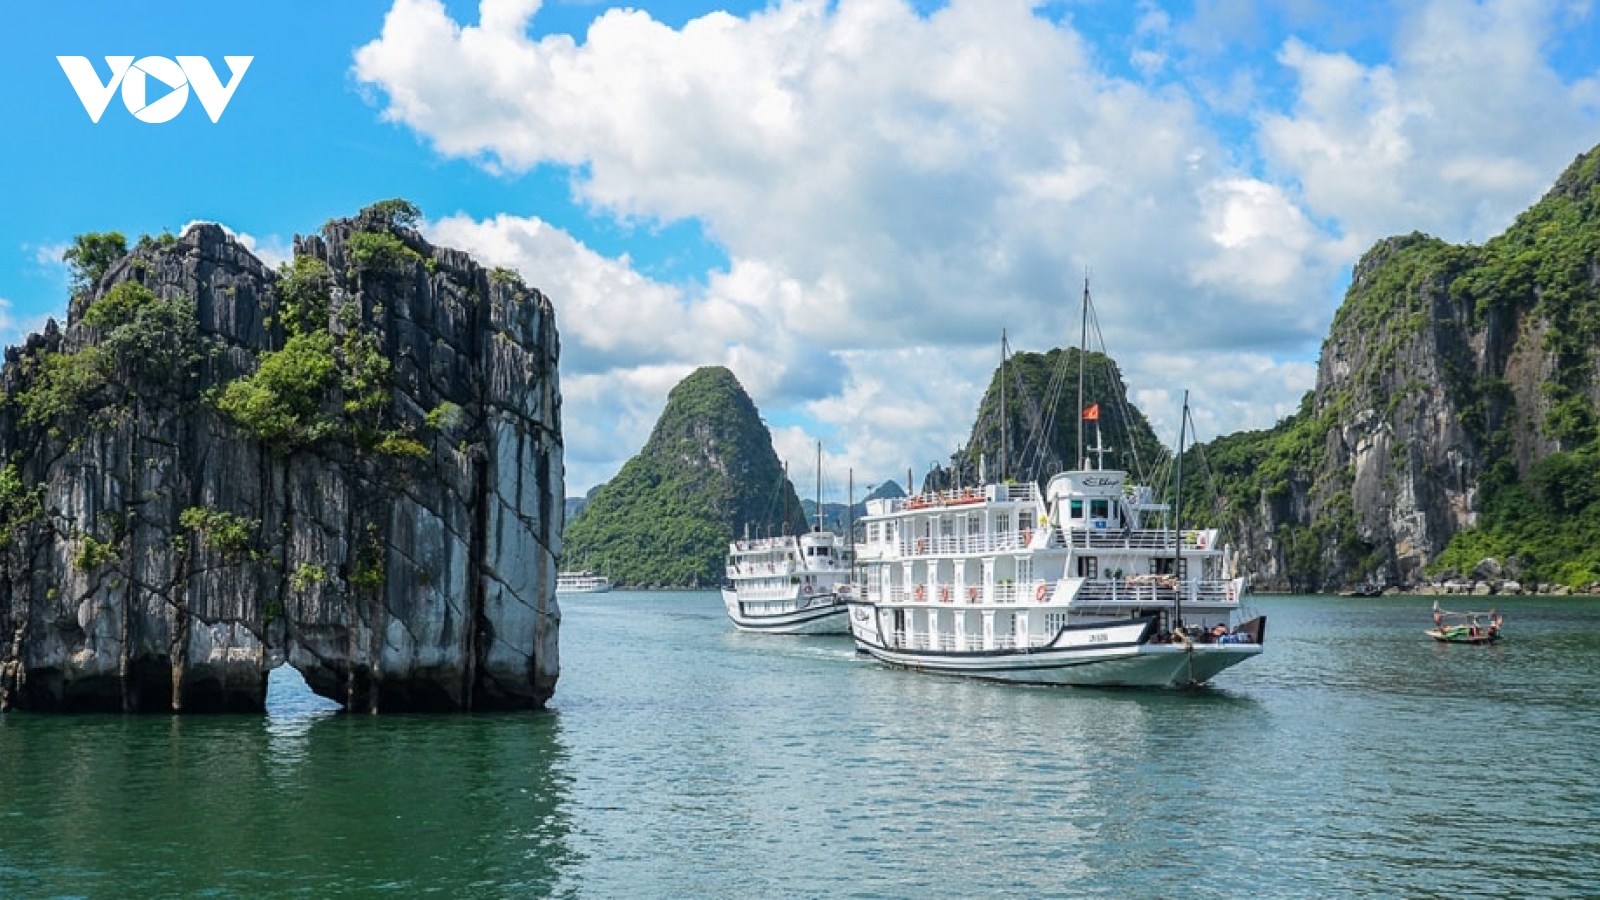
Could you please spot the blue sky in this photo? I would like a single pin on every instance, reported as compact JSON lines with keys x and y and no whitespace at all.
{"x":845,"y":202}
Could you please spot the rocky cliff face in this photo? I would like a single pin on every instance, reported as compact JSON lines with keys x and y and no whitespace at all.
{"x":1454,"y":413}
{"x":353,"y":466}
{"x":707,"y":472}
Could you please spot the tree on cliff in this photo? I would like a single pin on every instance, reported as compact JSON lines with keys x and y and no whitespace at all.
{"x":707,"y":471}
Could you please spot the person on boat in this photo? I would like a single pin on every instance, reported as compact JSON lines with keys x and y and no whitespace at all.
{"x":1438,"y":618}
{"x":1218,"y":630}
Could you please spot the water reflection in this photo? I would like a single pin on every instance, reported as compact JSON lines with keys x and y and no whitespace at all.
{"x":301,"y":801}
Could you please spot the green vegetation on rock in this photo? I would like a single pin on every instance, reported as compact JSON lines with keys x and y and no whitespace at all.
{"x":1495,"y":344}
{"x":1041,"y":419}
{"x":707,"y":471}
{"x":149,"y":347}
{"x":91,"y":255}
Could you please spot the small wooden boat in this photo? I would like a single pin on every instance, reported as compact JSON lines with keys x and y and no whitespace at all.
{"x":1465,"y":627}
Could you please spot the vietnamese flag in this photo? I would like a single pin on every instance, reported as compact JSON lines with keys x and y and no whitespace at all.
{"x":1092,"y":414}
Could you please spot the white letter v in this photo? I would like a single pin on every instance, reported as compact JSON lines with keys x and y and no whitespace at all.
{"x":213,"y":96}
{"x":94,"y":95}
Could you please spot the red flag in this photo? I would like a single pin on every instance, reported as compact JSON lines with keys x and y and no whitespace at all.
{"x":1092,"y":414}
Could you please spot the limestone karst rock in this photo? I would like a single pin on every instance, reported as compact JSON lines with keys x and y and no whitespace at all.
{"x":707,"y":472}
{"x":1455,"y":406}
{"x":353,"y":465}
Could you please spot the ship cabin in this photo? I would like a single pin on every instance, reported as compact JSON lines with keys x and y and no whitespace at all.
{"x":968,"y":545}
{"x":787,"y":566}
{"x":1091,"y":544}
{"x":1120,"y":552}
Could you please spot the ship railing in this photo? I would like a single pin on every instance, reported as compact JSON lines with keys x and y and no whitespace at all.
{"x":1154,"y":590}
{"x":767,"y":543}
{"x":976,"y":594}
{"x":754,"y":569}
{"x":1137,"y":539}
{"x":957,"y":498}
{"x":965,"y":544}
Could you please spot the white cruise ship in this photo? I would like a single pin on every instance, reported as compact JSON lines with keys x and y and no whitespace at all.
{"x":581,"y":583}
{"x":1068,"y":587}
{"x":1082,"y":584}
{"x":789,"y":584}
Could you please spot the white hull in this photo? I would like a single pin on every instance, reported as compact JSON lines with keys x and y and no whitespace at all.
{"x":823,"y":614}
{"x":599,"y":589}
{"x":1114,"y":654}
{"x":581,"y":583}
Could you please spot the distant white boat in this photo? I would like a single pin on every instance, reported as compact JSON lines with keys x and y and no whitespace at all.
{"x":581,"y":583}
{"x":789,"y":584}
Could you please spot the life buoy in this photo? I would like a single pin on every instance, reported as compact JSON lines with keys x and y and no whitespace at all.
{"x":944,"y":594}
{"x":920,"y":592}
{"x":1230,"y":593}
{"x":1041,"y":593}
{"x":1200,"y":542}
{"x":972,"y":594}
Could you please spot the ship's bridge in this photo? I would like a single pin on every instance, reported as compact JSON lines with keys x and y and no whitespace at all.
{"x":1099,"y":499}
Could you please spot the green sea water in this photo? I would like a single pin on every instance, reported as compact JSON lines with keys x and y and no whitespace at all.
{"x":1356,"y":758}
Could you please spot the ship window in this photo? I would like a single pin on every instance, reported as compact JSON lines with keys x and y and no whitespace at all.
{"x":1162,"y":565}
{"x":1099,"y":509}
{"x":1077,"y":509}
{"x":1089,"y":567}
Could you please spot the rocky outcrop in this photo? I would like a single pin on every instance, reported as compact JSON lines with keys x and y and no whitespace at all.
{"x":707,"y":473}
{"x":1456,"y":396}
{"x":353,"y":466}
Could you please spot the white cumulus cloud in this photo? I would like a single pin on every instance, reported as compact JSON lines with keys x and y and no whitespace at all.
{"x":891,"y":188}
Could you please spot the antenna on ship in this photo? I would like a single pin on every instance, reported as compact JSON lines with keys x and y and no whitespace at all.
{"x":1002,"y":406}
{"x":788,"y":488}
{"x":1177,"y":516}
{"x":1083,"y":351}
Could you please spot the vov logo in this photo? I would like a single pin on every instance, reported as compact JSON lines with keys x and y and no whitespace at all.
{"x":135,"y":77}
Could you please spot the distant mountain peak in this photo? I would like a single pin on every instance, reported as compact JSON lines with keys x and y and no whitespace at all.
{"x":707,"y":473}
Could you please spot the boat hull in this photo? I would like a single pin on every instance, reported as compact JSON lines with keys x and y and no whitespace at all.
{"x":823,"y":614}
{"x":1462,"y":636}
{"x":1113,"y":654}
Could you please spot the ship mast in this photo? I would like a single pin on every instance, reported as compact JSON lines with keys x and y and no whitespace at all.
{"x":1002,"y":406}
{"x":1083,"y":350}
{"x":818,"y":525}
{"x":1177,"y":517}
{"x":850,"y":521}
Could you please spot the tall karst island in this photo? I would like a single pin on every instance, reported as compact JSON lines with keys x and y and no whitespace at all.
{"x":1455,"y":420}
{"x":352,"y":465}
{"x":707,"y":473}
